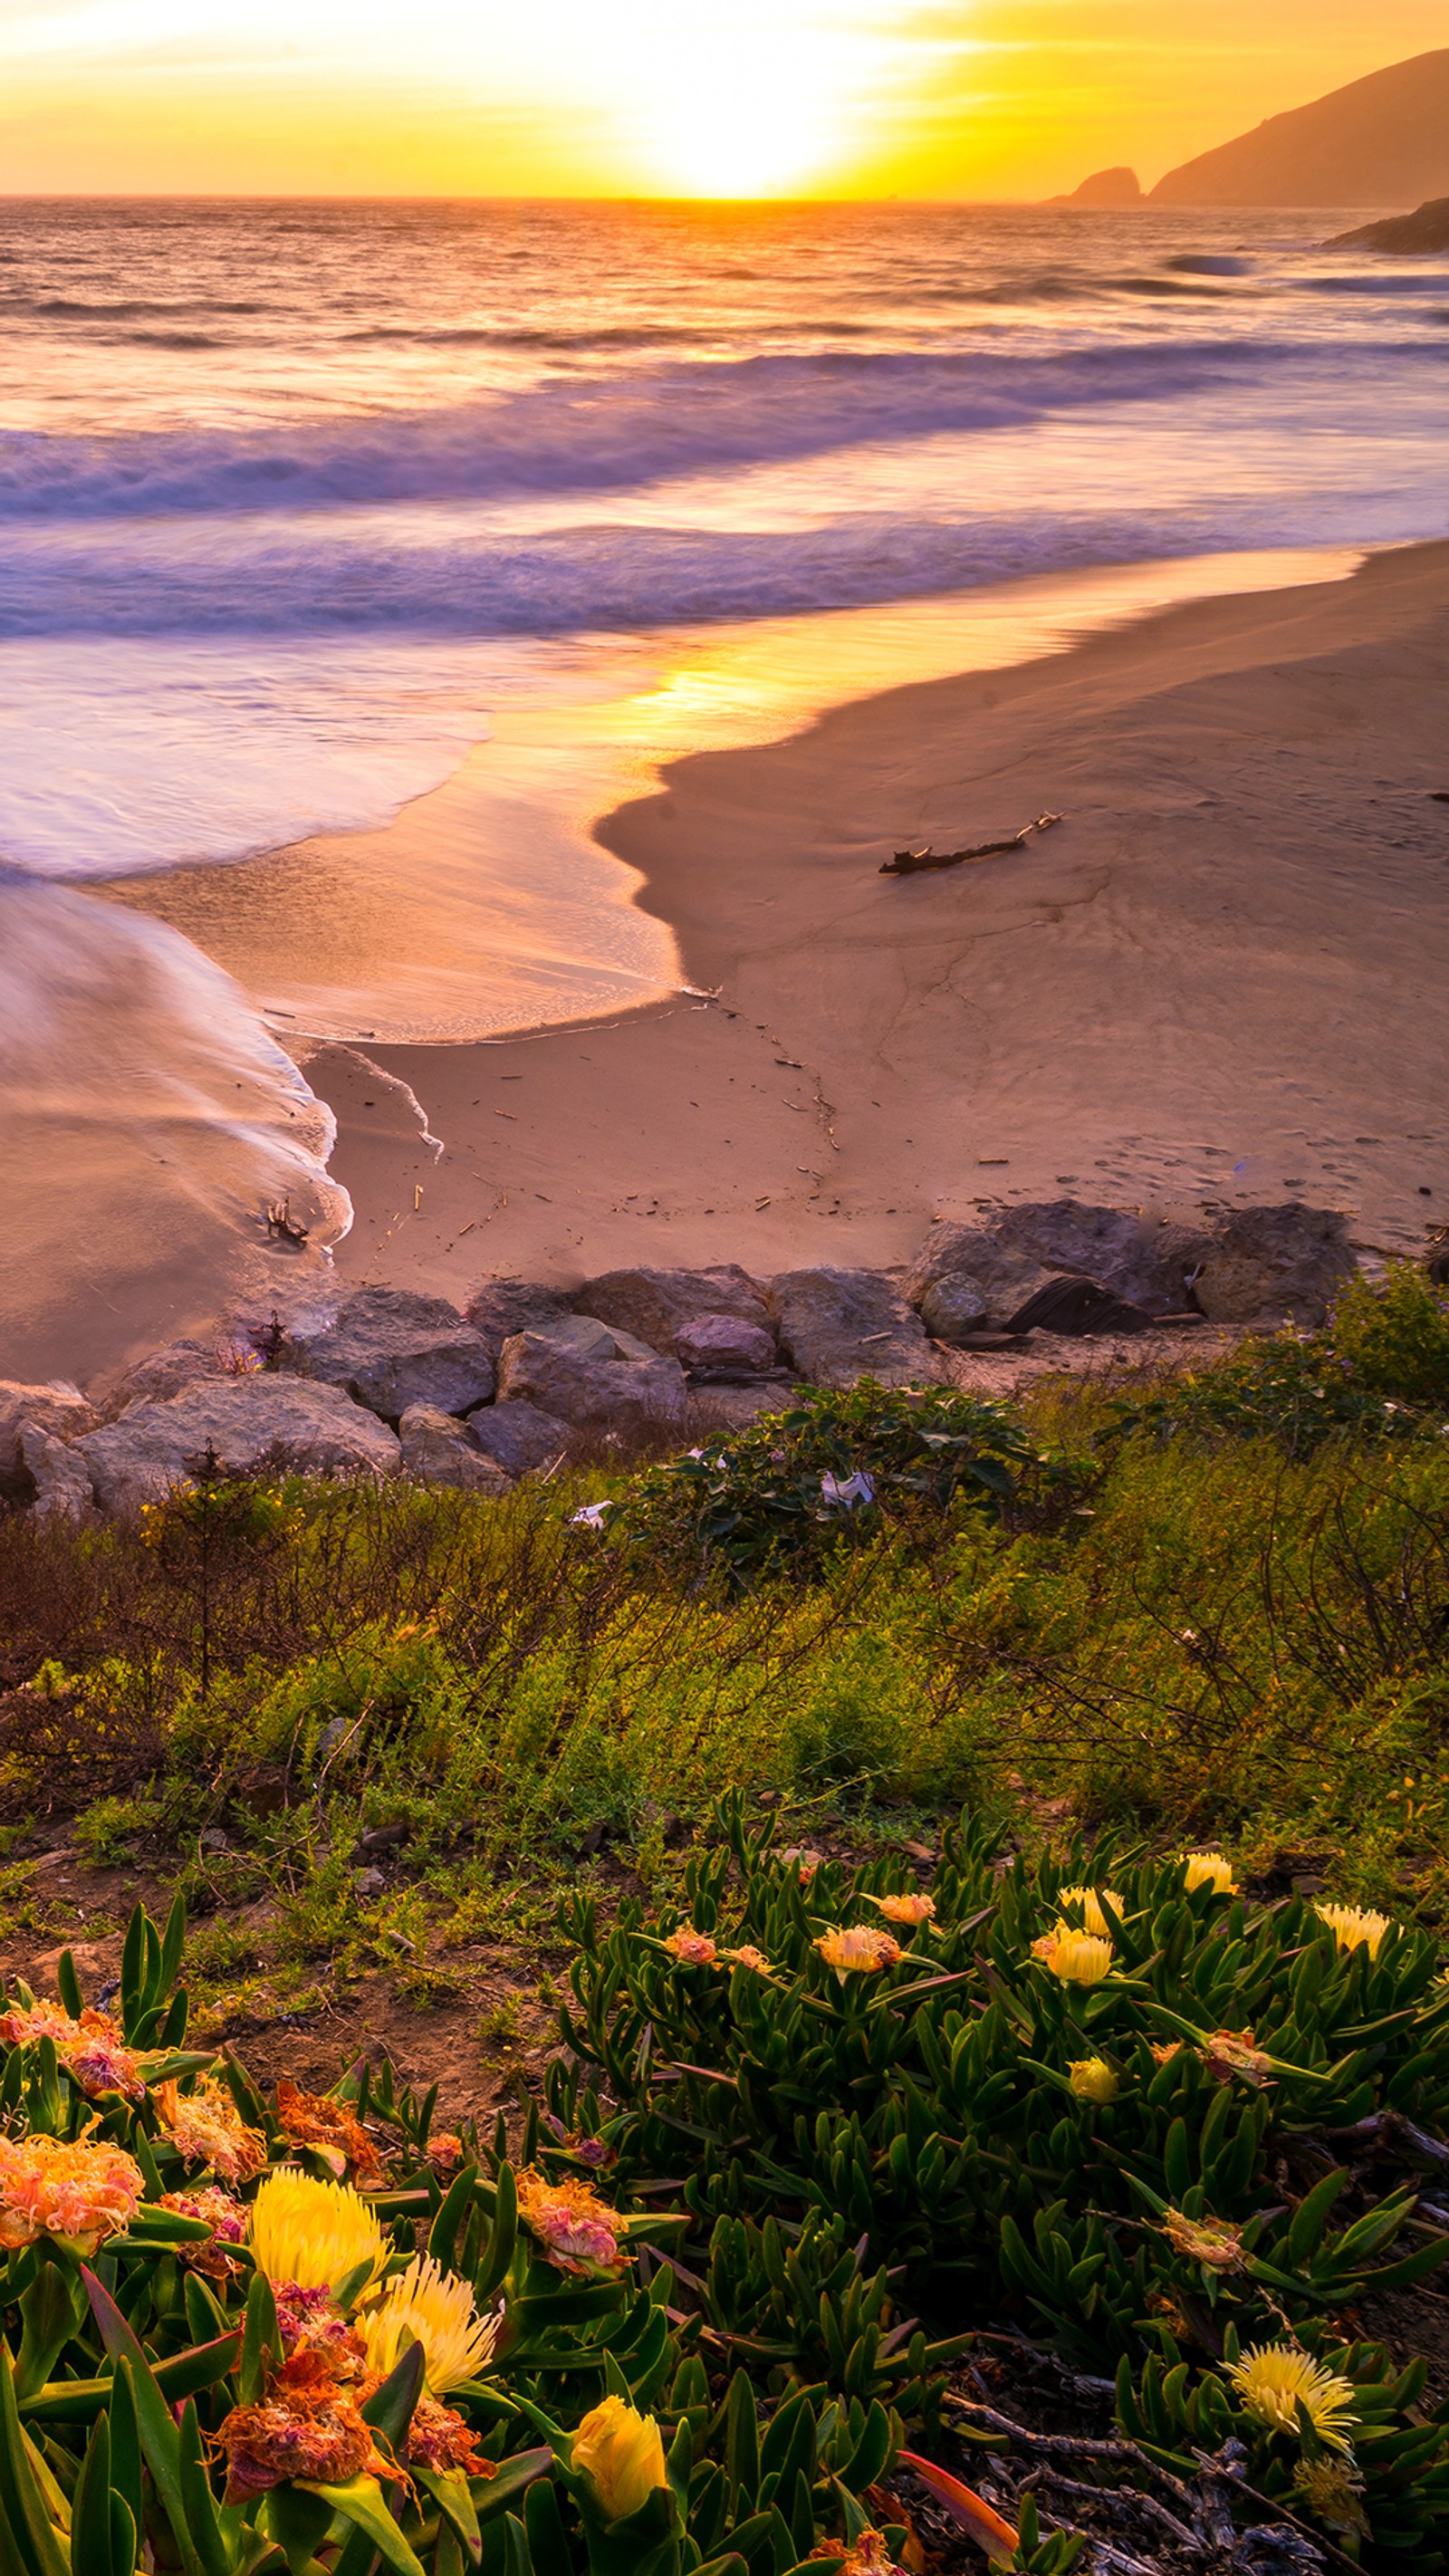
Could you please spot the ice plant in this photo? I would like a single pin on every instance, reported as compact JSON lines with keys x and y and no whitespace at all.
{"x":1332,"y":2490}
{"x":1352,"y":1924}
{"x":80,"y":2192}
{"x":1089,"y":1905}
{"x":621,"y":2453}
{"x":692,"y":1949}
{"x":439,"y":2440}
{"x":869,"y":2557}
{"x":579,"y":2233}
{"x":1233,"y":2052}
{"x":1272,"y":2380}
{"x":1078,"y":1958}
{"x":207,"y":2129}
{"x":314,"y":2233}
{"x":227,"y":2219}
{"x":92,"y":2050}
{"x":305,"y":2427}
{"x":1209,"y":1869}
{"x":804,"y":1861}
{"x":747,"y":1956}
{"x":1213,"y":2241}
{"x":849,"y":1947}
{"x":435,"y":2308}
{"x":1092,"y":2080}
{"x":329,"y":2129}
{"x":905,"y":1909}
{"x":308,"y":2322}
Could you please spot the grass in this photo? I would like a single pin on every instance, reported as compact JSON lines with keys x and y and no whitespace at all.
{"x":1213,"y":1613}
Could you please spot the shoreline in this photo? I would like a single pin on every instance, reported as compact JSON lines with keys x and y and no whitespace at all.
{"x":1216,"y":978}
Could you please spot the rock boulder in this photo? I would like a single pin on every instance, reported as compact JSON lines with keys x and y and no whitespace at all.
{"x":723,"y":1347}
{"x":63,"y":1489}
{"x":838,"y":1326}
{"x":59,"y":1408}
{"x":1274,"y":1265}
{"x":519,"y":1437}
{"x":953,"y":1306}
{"x":594,"y":1377}
{"x":390,"y":1349}
{"x":972,"y":1260}
{"x":249,"y":1422}
{"x":1146,"y":1263}
{"x":499,"y":1307}
{"x":656,"y":1305}
{"x":437,"y":1450}
{"x":164,"y":1373}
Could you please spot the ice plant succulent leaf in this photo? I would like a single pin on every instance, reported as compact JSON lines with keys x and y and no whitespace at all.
{"x":1272,"y":2380}
{"x":315,"y":2234}
{"x":621,"y":2453}
{"x":360,"y":2501}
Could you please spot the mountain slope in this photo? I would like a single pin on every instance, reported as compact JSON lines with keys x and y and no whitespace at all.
{"x":1383,"y":141}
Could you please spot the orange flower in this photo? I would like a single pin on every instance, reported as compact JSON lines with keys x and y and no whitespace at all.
{"x":692,"y":1949}
{"x":207,"y":2129}
{"x":81,"y":2193}
{"x":445,"y":2150}
{"x":227,"y":2219}
{"x":579,"y":2233}
{"x":305,"y":2427}
{"x":869,"y":2557}
{"x":331,"y":2129}
{"x":92,"y":2050}
{"x":439,"y":2440}
{"x":906,"y":1909}
{"x":1212,"y":2241}
{"x":849,"y":1947}
{"x":747,"y":1956}
{"x":1165,"y":2050}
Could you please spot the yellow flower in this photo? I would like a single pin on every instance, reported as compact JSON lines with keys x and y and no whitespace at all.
{"x":1092,"y":2080}
{"x":1213,"y":2241}
{"x":78,"y":2192}
{"x":435,"y":2308}
{"x":1273,"y":2379}
{"x":314,"y":2233}
{"x":906,"y":1909}
{"x":207,"y":2128}
{"x":857,"y":1945}
{"x":1209,"y":1869}
{"x":1331,"y":2489}
{"x":1078,"y":1958}
{"x":621,"y":2452}
{"x":1089,"y":1904}
{"x":1352,"y":1924}
{"x":692,"y":1949}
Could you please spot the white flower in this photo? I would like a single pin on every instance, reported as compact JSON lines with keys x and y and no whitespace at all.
{"x":844,"y":1492}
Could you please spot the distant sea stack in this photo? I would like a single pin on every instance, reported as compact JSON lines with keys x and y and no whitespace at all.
{"x":1104,"y":188}
{"x":1383,"y":141}
{"x":1407,"y":236}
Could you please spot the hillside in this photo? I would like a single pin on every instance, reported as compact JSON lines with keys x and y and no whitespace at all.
{"x":1382,"y":141}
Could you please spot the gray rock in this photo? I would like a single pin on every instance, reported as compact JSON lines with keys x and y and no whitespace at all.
{"x":724,"y":1346}
{"x":655,"y":1305}
{"x":391,"y":1348}
{"x":953,"y":1306}
{"x":58,"y":1408}
{"x":1274,"y":1264}
{"x":1144,"y":1262}
{"x":1002,"y":1276}
{"x":63,"y":1489}
{"x":838,"y":1326}
{"x":164,"y":1373}
{"x":436,"y":1450}
{"x":249,"y":1421}
{"x":519,"y":1436}
{"x":717,"y":1412}
{"x":500,"y":1307}
{"x":594,"y":1377}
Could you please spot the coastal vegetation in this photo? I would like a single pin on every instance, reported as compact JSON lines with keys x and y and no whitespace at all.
{"x":926,"y":1920}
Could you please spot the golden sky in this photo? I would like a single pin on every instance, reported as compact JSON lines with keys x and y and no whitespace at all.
{"x":954,"y":98}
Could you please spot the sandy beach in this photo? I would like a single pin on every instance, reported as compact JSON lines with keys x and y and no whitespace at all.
{"x":1215,"y":980}
{"x":1220,"y":979}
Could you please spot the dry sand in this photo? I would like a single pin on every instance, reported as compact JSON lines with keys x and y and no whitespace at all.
{"x":1221,"y":979}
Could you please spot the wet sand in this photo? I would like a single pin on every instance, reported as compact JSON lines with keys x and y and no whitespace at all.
{"x":1220,"y":980}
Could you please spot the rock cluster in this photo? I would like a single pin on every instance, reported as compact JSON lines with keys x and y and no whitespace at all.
{"x":530,"y":1375}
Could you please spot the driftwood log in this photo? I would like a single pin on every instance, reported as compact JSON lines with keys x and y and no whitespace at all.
{"x":910,"y":863}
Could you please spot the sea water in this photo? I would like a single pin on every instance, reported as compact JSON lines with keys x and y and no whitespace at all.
{"x":301,"y":502}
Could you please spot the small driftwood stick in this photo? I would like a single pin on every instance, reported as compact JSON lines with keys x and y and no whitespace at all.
{"x":910,"y":863}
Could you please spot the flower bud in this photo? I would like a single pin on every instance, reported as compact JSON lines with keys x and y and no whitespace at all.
{"x":622,"y":2453}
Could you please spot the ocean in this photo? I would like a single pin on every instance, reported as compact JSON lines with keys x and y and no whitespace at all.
{"x":301,"y":502}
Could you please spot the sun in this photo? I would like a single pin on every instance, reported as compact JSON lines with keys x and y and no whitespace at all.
{"x":763,"y":100}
